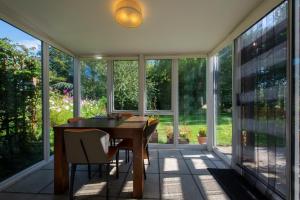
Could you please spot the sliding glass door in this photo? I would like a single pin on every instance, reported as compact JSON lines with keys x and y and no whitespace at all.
{"x":192,"y":100}
{"x":262,"y":78}
{"x":159,"y":95}
{"x":223,"y":101}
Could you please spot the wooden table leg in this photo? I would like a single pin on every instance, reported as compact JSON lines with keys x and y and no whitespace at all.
{"x":138,"y":177}
{"x":61,"y":169}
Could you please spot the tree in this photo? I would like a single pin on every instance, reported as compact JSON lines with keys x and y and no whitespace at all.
{"x":20,"y":100}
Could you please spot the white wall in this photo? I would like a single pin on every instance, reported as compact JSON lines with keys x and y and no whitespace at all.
{"x":265,"y":7}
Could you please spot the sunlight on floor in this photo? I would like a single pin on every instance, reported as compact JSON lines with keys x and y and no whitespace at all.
{"x":170,"y":164}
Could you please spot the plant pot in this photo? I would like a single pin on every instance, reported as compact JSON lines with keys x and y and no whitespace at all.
{"x":183,"y":141}
{"x":201,"y":140}
{"x":170,"y":140}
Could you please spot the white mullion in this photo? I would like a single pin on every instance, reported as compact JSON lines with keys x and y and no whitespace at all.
{"x":142,"y":86}
{"x":215,"y":68}
{"x":45,"y":103}
{"x":77,"y":89}
{"x":175,"y":100}
{"x":210,"y":117}
{"x":109,"y":86}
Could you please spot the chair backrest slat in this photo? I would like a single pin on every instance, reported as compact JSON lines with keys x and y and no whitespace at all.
{"x":150,"y":129}
{"x":75,"y":119}
{"x":87,"y":146}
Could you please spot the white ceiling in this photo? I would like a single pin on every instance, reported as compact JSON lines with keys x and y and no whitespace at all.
{"x":87,"y":27}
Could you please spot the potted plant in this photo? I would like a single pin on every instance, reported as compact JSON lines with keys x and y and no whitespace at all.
{"x":202,"y":136}
{"x":169,"y":131}
{"x":184,"y":133}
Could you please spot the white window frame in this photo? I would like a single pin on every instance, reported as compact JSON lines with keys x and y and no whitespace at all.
{"x":110,"y":86}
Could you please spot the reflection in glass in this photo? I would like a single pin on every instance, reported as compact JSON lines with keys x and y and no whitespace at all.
{"x":262,"y":62}
{"x":125,"y":74}
{"x":296,"y":84}
{"x":192,"y":100}
{"x":93,"y":88}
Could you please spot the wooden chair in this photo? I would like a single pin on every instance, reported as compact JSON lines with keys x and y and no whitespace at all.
{"x":123,"y":115}
{"x":77,"y":119}
{"x":89,"y":147}
{"x":127,"y":144}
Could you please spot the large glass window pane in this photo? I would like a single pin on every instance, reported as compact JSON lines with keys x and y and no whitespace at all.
{"x":164,"y":133}
{"x":262,"y":78}
{"x":126,"y":80}
{"x":158,"y":82}
{"x":192,"y":100}
{"x":223,"y":92}
{"x":61,"y":72}
{"x":21,"y":127}
{"x":93,"y":88}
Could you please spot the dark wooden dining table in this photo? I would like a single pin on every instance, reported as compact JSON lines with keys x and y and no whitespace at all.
{"x":131,"y":128}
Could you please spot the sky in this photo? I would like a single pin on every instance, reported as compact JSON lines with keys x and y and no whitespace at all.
{"x":18,"y":37}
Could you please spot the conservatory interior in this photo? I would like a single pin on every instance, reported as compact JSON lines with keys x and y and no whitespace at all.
{"x":183,"y":99}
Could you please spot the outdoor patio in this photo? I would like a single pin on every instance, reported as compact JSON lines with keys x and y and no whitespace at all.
{"x":172,"y":174}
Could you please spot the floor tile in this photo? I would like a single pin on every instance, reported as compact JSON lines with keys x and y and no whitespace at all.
{"x":199,"y":166}
{"x":151,"y":187}
{"x":153,"y":168}
{"x":188,"y":154}
{"x":127,"y":188}
{"x":169,"y":154}
{"x":97,"y":187}
{"x":173,"y":166}
{"x":15,"y":196}
{"x":49,"y":166}
{"x":218,"y":197}
{"x":211,"y":155}
{"x":208,"y":185}
{"x":33,"y":183}
{"x":50,"y":197}
{"x":168,"y":177}
{"x":179,"y":187}
{"x":153,"y":154}
{"x":220,"y":164}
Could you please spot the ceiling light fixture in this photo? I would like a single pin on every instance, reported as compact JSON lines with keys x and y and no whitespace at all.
{"x":128,"y":13}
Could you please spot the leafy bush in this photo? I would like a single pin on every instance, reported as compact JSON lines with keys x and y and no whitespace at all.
{"x":91,"y":108}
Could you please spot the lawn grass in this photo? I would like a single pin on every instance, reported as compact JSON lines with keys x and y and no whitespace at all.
{"x":189,"y":127}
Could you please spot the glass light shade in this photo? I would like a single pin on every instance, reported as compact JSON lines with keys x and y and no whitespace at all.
{"x":128,"y":13}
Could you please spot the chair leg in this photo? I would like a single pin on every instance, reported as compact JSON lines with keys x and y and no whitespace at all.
{"x":100,"y":170}
{"x":117,"y":165}
{"x":89,"y":171}
{"x":71,"y":187}
{"x":145,"y":177}
{"x":107,"y":180}
{"x":126,"y":152}
{"x":147,"y":151}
